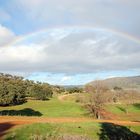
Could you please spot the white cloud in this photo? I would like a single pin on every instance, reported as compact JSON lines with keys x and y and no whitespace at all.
{"x":117,"y":14}
{"x":59,"y":34}
{"x":6,"y":36}
{"x":73,"y":48}
{"x":70,"y":55}
{"x":66,"y":78}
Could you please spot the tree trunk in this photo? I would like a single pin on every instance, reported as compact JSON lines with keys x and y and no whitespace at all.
{"x":98,"y":115}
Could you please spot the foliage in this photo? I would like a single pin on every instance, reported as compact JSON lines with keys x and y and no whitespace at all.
{"x":14,"y":90}
{"x":40,"y":91}
{"x":58,"y":89}
{"x":74,"y":90}
{"x":117,"y":88}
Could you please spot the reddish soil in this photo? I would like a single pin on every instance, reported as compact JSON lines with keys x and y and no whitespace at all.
{"x":109,"y":116}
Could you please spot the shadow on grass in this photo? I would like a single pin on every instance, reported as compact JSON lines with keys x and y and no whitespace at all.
{"x":4,"y":127}
{"x":23,"y":112}
{"x":122,"y":109}
{"x":111,"y":131}
{"x":136,"y":106}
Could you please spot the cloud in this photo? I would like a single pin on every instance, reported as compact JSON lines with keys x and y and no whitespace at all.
{"x":6,"y":36}
{"x":117,"y":14}
{"x":66,"y":78}
{"x":63,"y":48}
{"x":77,"y":51}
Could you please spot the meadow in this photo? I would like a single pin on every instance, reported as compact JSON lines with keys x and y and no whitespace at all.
{"x":50,"y":108}
{"x":69,"y":108}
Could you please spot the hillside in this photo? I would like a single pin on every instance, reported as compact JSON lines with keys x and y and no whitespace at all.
{"x":123,"y":82}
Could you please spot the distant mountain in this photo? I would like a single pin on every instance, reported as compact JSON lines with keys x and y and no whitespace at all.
{"x":123,"y":82}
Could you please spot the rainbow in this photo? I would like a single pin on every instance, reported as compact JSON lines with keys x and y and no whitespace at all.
{"x":107,"y":30}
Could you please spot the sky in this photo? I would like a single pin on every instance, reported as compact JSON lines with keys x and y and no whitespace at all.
{"x":70,"y":42}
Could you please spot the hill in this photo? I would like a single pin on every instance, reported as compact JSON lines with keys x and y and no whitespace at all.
{"x":123,"y":82}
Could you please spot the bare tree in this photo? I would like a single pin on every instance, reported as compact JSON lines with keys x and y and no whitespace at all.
{"x":97,"y":97}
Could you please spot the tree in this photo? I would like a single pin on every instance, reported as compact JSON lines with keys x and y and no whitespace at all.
{"x":97,"y":98}
{"x":58,"y":89}
{"x":116,"y":88}
{"x":41,"y":91}
{"x":74,"y":90}
{"x":12,"y":90}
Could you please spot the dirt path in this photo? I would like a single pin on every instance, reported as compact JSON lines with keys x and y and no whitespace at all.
{"x":29,"y":120}
{"x":63,"y":97}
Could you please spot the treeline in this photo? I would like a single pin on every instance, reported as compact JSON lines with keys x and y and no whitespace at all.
{"x":15,"y":90}
{"x":66,"y":90}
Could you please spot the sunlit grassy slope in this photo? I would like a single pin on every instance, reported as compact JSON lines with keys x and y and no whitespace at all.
{"x":133,"y":111}
{"x":120,"y":108}
{"x":67,"y":107}
{"x":52,"y":108}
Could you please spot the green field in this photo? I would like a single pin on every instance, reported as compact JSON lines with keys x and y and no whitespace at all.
{"x":92,"y":131}
{"x":120,"y":110}
{"x":69,"y":108}
{"x":50,"y":108}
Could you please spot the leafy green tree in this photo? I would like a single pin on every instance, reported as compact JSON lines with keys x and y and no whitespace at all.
{"x":41,"y":91}
{"x":14,"y":90}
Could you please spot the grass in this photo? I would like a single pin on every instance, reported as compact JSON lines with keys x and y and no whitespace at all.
{"x":51,"y":108}
{"x":86,"y":129}
{"x":89,"y":130}
{"x":119,"y":110}
{"x":68,"y":108}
